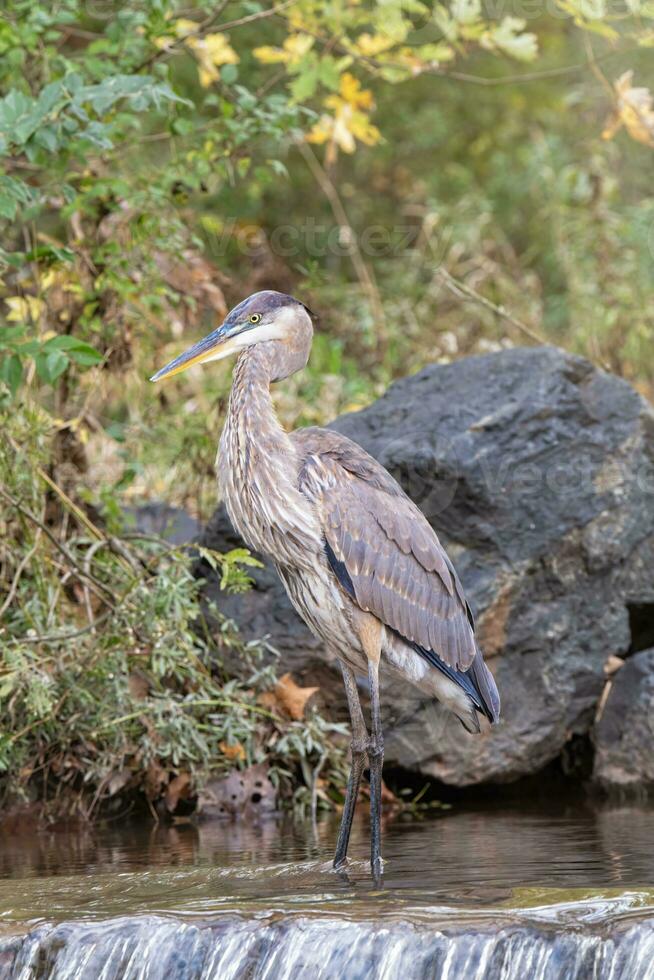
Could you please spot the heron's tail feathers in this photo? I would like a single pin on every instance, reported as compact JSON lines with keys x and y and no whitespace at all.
{"x":486,"y":688}
{"x":470,"y":718}
{"x":471,"y":695}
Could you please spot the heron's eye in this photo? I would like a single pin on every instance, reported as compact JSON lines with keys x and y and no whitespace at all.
{"x":254,"y":317}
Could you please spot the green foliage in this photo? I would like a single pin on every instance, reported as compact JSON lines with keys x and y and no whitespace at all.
{"x":51,"y":357}
{"x":110,"y":683}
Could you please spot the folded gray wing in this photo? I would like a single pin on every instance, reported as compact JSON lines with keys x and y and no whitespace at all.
{"x":396,"y":566}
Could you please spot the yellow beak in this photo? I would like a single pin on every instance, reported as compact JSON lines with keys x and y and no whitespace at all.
{"x":213,"y":347}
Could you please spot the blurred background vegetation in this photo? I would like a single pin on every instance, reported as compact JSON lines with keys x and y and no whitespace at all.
{"x":434,"y":179}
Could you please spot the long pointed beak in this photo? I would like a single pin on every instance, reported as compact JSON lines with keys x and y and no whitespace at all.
{"x":214,"y":346}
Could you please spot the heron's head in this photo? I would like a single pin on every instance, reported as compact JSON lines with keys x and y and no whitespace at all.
{"x":281,"y":322}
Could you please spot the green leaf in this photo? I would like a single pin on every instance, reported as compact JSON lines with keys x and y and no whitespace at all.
{"x":85,"y":355}
{"x":307,"y":79}
{"x":13,"y":193}
{"x":11,"y":371}
{"x":77,"y":350}
{"x":50,"y":366}
{"x":62,"y":342}
{"x":57,"y":363}
{"x":9,"y":334}
{"x":330,"y":73}
{"x":229,"y":74}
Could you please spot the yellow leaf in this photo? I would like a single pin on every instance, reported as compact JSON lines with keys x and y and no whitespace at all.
{"x":183,"y":26}
{"x":363,"y":129}
{"x":634,"y":111}
{"x":268,"y":55}
{"x":48,"y":279}
{"x":321,"y":131}
{"x":295,"y":47}
{"x":349,"y":122}
{"x":342,"y":135}
{"x":24,"y":308}
{"x":219,"y":50}
{"x":370,"y":45}
{"x":353,"y":94}
{"x":211,"y":51}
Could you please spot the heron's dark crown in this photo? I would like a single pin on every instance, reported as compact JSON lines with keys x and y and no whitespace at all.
{"x":265,"y":301}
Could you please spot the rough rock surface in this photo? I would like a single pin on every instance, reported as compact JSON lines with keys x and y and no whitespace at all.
{"x":537,"y":472}
{"x":624,"y":734}
{"x":171,"y":523}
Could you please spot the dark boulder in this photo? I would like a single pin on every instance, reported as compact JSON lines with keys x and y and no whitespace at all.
{"x":170,"y":523}
{"x":624,"y":733}
{"x":537,"y":471}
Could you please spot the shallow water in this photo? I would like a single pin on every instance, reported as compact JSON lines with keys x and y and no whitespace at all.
{"x":568,"y":889}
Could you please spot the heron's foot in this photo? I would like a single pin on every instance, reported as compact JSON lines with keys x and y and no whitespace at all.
{"x":339,"y":862}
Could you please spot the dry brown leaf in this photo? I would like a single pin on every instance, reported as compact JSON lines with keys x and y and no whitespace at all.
{"x":267,"y":699}
{"x":634,"y":111}
{"x":118,"y":781}
{"x":139,"y":686}
{"x":155,"y":779}
{"x":194,"y":276}
{"x":178,"y":789}
{"x":291,"y":697}
{"x":235,"y":753}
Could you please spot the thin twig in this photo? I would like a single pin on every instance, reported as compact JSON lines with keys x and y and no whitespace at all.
{"x":19,"y":571}
{"x":595,"y":68}
{"x":88,"y":558}
{"x":364,"y":273}
{"x":210,"y":23}
{"x":459,"y":288}
{"x":64,"y":637}
{"x":60,"y":547}
{"x":71,"y":505}
{"x":259,"y":15}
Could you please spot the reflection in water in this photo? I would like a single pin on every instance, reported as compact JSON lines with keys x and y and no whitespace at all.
{"x":468,"y":894}
{"x":462,"y":850}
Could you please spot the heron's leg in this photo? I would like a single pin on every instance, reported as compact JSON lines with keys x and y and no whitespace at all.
{"x":359,"y":745}
{"x":376,"y":761}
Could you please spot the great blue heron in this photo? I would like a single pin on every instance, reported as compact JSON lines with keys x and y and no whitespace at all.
{"x":360,"y":562}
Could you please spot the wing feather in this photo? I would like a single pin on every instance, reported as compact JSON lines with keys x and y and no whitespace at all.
{"x":392,"y":557}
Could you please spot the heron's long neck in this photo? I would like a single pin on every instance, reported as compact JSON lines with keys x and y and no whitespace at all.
{"x":258,"y":466}
{"x":255,"y":437}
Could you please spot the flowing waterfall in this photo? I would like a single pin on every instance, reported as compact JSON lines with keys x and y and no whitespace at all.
{"x":155,"y":947}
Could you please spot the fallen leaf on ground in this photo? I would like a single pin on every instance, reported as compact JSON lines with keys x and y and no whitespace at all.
{"x":235,"y":752}
{"x":291,"y":697}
